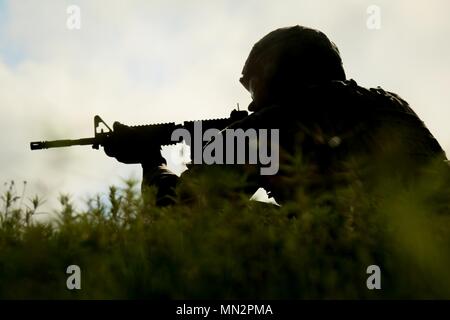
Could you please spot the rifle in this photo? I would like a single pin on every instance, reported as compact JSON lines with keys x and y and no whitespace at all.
{"x":131,"y":144}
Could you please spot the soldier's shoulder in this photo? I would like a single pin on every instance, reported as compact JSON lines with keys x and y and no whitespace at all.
{"x":377,"y":98}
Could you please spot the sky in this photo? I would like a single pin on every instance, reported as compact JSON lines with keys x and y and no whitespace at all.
{"x":150,"y":61}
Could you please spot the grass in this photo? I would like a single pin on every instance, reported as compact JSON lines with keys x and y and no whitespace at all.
{"x":316,"y":246}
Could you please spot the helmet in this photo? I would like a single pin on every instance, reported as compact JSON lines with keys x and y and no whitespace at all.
{"x":294,"y":53}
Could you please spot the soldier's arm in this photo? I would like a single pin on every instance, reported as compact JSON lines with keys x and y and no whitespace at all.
{"x":156,"y":175}
{"x":160,"y":178}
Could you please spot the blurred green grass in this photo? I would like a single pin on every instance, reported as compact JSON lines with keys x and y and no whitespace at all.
{"x":313,"y":247}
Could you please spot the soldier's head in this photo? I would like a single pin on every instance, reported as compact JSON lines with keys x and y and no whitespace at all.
{"x":288,"y":58}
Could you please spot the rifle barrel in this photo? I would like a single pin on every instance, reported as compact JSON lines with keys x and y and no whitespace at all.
{"x":61,"y":143}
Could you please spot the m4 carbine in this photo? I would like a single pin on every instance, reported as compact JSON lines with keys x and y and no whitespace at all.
{"x":136,"y":144}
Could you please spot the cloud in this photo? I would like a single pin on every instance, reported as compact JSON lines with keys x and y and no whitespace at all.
{"x":152,"y":61}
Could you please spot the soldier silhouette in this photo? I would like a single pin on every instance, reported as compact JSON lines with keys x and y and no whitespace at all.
{"x":298,"y":85}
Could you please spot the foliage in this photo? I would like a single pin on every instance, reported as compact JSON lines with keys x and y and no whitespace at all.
{"x":316,"y":246}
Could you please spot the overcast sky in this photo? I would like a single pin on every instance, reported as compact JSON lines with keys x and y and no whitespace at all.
{"x":150,"y":61}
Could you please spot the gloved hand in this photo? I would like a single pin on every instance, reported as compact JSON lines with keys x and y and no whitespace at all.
{"x":112,"y":146}
{"x":128,"y":146}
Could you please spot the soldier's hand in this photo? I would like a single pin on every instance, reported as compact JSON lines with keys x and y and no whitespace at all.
{"x":113,"y":146}
{"x":127,"y":146}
